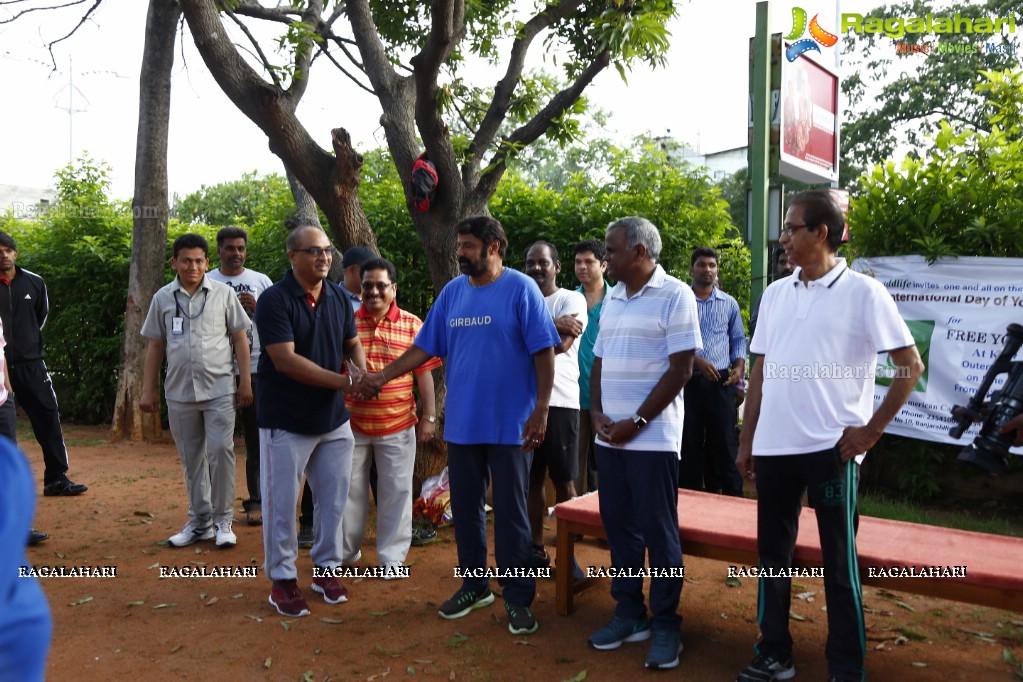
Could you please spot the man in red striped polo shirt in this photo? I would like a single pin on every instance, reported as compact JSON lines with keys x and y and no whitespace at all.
{"x":385,"y":426}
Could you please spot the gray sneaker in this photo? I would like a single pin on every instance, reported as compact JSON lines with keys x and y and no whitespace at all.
{"x":767,"y":669}
{"x":619,"y":631}
{"x":191,"y":534}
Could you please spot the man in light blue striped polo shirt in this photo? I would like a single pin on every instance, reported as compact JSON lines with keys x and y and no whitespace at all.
{"x":709,"y":442}
{"x":649,"y":332}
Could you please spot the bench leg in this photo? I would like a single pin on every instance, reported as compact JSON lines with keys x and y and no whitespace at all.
{"x":563,"y":570}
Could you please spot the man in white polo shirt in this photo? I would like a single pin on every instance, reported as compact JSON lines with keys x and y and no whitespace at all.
{"x":649,"y":332}
{"x":817,"y":340}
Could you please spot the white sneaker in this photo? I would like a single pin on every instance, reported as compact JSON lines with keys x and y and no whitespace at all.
{"x":355,"y":558}
{"x":394,"y":570}
{"x":190,"y":534}
{"x":225,"y":536}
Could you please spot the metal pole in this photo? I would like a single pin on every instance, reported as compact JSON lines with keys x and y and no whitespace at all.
{"x":761,"y":141}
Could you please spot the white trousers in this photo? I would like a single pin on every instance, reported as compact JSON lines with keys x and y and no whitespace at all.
{"x":395,"y":455}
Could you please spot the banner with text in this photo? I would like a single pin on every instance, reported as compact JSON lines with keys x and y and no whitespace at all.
{"x":957,"y":310}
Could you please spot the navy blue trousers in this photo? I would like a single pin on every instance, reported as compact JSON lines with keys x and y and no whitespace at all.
{"x":470,"y":467}
{"x":639,"y":510}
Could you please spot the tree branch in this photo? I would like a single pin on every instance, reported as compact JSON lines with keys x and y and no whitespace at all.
{"x":539,"y":124}
{"x":281,"y":15}
{"x":304,"y":52}
{"x":506,"y":86}
{"x":259,"y":51}
{"x":348,"y":53}
{"x":391,"y":89}
{"x":343,"y":70}
{"x":23,"y":12}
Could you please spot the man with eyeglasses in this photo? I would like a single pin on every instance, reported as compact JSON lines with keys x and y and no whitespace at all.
{"x":351,"y":262}
{"x":307,"y":329}
{"x":385,"y":427}
{"x":232,"y":249}
{"x":807,"y":430}
{"x":199,"y":323}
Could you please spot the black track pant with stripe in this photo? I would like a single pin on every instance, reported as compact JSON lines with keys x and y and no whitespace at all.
{"x":831,"y":487}
{"x":34,"y":392}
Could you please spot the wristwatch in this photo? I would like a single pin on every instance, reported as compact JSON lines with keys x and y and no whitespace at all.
{"x":639,"y":421}
{"x":430,"y":418}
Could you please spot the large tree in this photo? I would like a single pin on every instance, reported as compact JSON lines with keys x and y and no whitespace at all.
{"x":897,"y":100}
{"x":149,"y":215}
{"x":409,"y":55}
{"x":149,"y":205}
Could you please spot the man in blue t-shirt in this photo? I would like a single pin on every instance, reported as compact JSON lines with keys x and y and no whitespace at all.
{"x":493,"y":329}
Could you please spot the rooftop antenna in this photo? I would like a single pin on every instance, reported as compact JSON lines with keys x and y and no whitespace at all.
{"x":71,"y":89}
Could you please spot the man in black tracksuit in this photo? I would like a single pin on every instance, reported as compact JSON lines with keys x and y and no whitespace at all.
{"x":23,"y":309}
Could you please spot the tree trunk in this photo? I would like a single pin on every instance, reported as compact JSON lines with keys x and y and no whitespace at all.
{"x":150,"y":215}
{"x":333,"y":181}
{"x":306,"y":213}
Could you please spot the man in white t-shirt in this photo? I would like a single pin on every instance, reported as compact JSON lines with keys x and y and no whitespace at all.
{"x":232,"y":249}
{"x":557,"y":452}
{"x":808,"y":423}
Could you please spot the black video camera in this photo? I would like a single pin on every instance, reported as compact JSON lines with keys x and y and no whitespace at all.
{"x":990,"y":449}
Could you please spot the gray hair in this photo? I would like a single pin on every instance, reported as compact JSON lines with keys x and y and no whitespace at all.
{"x":639,"y":231}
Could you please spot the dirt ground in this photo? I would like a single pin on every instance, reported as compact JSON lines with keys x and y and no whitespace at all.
{"x":138,"y":626}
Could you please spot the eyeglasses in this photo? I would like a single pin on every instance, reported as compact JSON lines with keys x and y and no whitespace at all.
{"x":789,"y":229}
{"x":317,"y":251}
{"x":379,"y":286}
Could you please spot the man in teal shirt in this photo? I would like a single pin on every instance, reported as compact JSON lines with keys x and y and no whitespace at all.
{"x":590,"y":267}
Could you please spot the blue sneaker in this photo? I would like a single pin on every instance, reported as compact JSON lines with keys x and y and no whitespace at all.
{"x":619,"y":631}
{"x":665,"y":646}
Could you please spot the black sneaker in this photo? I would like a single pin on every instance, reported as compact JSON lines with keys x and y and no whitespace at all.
{"x":520,"y":620}
{"x":541,"y":559}
{"x":36,"y":536}
{"x":421,"y":536}
{"x":464,"y":601}
{"x":306,"y":537}
{"x":63,"y":488}
{"x":767,"y":669}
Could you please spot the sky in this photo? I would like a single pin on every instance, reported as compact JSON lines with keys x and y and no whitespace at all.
{"x":699,"y":98}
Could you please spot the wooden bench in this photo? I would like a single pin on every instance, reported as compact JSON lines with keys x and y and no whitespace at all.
{"x":725,"y":528}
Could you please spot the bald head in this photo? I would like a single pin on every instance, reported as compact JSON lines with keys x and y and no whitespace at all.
{"x":298,"y":237}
